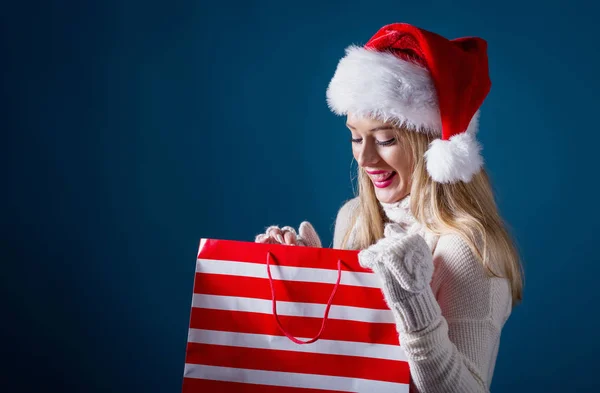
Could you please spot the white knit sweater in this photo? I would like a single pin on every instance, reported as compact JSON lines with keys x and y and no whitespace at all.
{"x":456,"y":344}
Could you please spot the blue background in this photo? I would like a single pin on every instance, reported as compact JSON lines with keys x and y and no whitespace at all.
{"x":132,"y":129}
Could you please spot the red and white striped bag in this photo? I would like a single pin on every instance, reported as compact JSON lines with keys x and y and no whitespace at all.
{"x":277,"y":318}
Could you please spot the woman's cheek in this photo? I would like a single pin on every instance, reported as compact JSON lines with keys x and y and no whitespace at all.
{"x":394,"y":156}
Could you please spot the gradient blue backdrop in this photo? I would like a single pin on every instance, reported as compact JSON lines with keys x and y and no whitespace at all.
{"x":132,"y":129}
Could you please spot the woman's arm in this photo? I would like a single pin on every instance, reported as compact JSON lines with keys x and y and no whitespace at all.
{"x":451,"y":337}
{"x":450,"y":330}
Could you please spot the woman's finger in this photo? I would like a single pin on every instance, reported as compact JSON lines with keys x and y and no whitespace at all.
{"x":289,"y":235}
{"x":270,"y":240}
{"x":290,"y":238}
{"x":275,"y":233}
{"x":265,"y":239}
{"x":262,"y":238}
{"x":309,"y":235}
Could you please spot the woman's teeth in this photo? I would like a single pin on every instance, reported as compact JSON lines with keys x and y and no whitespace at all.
{"x":382,"y":176}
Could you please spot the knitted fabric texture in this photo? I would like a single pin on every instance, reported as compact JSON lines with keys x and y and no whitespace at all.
{"x":450,"y":329}
{"x":399,"y":212}
{"x":308,"y":236}
{"x":406,"y":257}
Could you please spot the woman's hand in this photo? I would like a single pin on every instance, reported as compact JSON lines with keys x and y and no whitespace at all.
{"x":287,"y":235}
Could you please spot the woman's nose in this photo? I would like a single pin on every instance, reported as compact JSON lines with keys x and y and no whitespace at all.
{"x":367,"y":154}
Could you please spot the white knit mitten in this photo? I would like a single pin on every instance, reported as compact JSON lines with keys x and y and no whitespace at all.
{"x":404,"y":264}
{"x":407,"y":257}
{"x":307,"y":235}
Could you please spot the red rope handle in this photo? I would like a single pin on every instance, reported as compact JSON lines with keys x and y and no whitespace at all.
{"x":294,"y":339}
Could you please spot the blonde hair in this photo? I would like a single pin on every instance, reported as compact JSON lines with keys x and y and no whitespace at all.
{"x":466,"y":209}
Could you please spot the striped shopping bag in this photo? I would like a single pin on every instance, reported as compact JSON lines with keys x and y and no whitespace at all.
{"x":277,"y":318}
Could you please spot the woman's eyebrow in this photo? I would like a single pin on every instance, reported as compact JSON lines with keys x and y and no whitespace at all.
{"x":373,"y":129}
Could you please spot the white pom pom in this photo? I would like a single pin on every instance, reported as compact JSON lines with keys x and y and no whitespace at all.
{"x":457,"y":159}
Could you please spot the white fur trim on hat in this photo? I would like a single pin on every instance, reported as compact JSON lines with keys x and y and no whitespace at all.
{"x":379,"y":84}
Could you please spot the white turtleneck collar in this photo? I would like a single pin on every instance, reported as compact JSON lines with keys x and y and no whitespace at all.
{"x":399,"y":212}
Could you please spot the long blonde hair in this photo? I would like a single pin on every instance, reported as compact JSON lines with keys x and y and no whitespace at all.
{"x":466,"y":209}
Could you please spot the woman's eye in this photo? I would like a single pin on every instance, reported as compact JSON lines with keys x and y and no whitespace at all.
{"x":387,"y":143}
{"x":384,"y":143}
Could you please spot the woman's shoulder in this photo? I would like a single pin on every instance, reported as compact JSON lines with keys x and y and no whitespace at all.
{"x":348,"y":207}
{"x":346,"y":212}
{"x":461,"y":280}
{"x":453,"y":242}
{"x":343,"y":220}
{"x":455,"y":254}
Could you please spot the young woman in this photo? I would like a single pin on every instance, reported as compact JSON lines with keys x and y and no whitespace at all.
{"x":425,"y":217}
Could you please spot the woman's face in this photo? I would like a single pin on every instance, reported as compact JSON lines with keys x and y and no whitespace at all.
{"x":386,"y":160}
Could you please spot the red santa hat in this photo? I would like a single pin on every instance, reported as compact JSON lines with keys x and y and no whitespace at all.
{"x":418,"y":79}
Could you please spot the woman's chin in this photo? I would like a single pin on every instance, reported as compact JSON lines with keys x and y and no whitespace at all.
{"x":389,"y":196}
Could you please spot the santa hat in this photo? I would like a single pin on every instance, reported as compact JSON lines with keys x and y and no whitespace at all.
{"x":418,"y":79}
